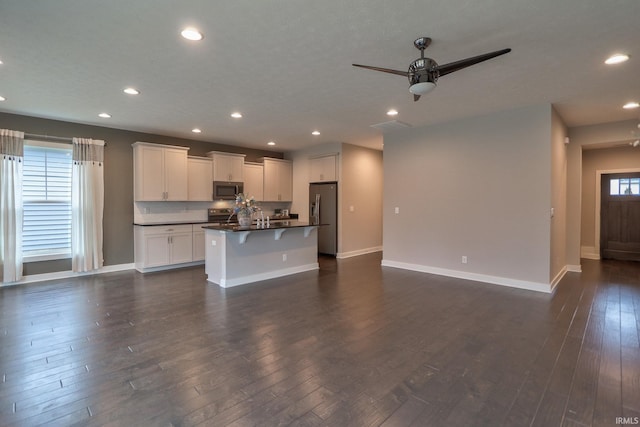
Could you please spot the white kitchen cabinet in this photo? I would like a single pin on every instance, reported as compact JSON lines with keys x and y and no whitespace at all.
{"x":159,"y":172}
{"x":278,"y":180}
{"x":200,"y":179}
{"x":227,"y":166}
{"x":323,"y":168}
{"x":162,"y":245}
{"x":254,"y":180}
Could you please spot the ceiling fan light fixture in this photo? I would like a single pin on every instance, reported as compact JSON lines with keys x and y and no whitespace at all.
{"x":422,"y":88}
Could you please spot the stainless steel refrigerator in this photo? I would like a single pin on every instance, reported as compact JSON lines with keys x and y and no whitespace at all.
{"x":323,"y":209}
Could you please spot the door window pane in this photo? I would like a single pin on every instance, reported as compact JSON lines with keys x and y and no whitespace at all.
{"x":624,"y":187}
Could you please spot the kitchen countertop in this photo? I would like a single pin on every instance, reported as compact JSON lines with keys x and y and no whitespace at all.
{"x":163,"y":223}
{"x":273,"y":220}
{"x":253,"y":227}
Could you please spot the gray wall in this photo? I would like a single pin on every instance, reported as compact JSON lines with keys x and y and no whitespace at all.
{"x":608,"y":159}
{"x":593,"y":136}
{"x":118,"y":176}
{"x":479,"y":187}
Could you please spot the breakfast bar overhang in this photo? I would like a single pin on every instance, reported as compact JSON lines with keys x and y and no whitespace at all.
{"x":239,"y":255}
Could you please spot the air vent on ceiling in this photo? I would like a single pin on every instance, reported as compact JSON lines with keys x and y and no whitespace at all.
{"x":391,"y":125}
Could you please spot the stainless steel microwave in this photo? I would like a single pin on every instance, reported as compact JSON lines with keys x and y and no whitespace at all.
{"x":223,"y":190}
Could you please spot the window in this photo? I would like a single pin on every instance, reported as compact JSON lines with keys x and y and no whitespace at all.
{"x":624,"y":187}
{"x":46,"y":196}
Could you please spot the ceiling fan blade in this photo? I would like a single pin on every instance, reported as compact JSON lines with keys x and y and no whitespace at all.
{"x":464,"y":63}
{"x":384,"y":70}
{"x":416,"y":97}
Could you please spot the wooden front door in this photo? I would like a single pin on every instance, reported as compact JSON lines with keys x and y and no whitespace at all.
{"x":620,"y":217}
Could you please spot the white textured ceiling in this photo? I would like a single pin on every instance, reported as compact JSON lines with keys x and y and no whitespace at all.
{"x":286,"y":64}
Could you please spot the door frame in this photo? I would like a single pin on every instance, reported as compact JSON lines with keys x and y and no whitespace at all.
{"x":599,"y":174}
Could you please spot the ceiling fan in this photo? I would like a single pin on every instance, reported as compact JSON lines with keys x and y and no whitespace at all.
{"x":424,"y":72}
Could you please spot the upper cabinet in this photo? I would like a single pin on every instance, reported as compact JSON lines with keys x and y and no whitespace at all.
{"x":253,"y":180}
{"x":200,"y":179}
{"x":323,"y":169}
{"x":278,"y":180}
{"x":227,"y":166}
{"x":159,"y":172}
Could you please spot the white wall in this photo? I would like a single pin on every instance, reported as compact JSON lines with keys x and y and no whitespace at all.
{"x":478,"y":187}
{"x":558,"y":263}
{"x":300,"y":160}
{"x":361,"y":183}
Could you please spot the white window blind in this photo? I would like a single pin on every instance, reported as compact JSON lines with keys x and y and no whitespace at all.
{"x":46,"y":192}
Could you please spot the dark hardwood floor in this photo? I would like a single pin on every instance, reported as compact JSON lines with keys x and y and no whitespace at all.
{"x":353,"y":344}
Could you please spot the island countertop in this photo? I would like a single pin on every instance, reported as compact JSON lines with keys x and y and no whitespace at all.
{"x":253,"y":227}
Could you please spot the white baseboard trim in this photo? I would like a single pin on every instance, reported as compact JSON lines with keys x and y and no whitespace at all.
{"x":168,"y":267}
{"x":341,"y":255}
{"x":33,"y":278}
{"x":574,"y":268}
{"x":558,"y":277}
{"x":228,"y":283}
{"x":494,"y":280}
{"x":589,"y":252}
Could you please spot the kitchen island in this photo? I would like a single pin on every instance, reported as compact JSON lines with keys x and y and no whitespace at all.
{"x":238,"y":255}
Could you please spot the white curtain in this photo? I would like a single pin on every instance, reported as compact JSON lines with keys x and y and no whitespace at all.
{"x":87,"y":203}
{"x":11,"y":155}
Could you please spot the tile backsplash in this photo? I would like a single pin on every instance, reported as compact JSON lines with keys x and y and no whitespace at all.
{"x":168,"y":212}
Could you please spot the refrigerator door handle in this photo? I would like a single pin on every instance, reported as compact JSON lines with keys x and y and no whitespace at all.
{"x":317,"y":210}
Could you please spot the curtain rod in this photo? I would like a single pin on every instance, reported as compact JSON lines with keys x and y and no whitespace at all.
{"x":66,"y":139}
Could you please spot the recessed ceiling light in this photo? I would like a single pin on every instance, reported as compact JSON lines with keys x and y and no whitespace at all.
{"x":196,"y":130}
{"x":392,"y":112}
{"x":315,"y":133}
{"x":630,"y":105}
{"x":271,"y":143}
{"x":2,"y":98}
{"x":618,"y":58}
{"x":236,"y":115}
{"x":131,"y":91}
{"x":191,"y":33}
{"x":104,"y":115}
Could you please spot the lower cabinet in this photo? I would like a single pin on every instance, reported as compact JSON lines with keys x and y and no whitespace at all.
{"x":162,"y":245}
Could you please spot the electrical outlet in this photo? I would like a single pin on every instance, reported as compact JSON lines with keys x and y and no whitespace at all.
{"x":464,"y":259}
{"x":397,"y":210}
